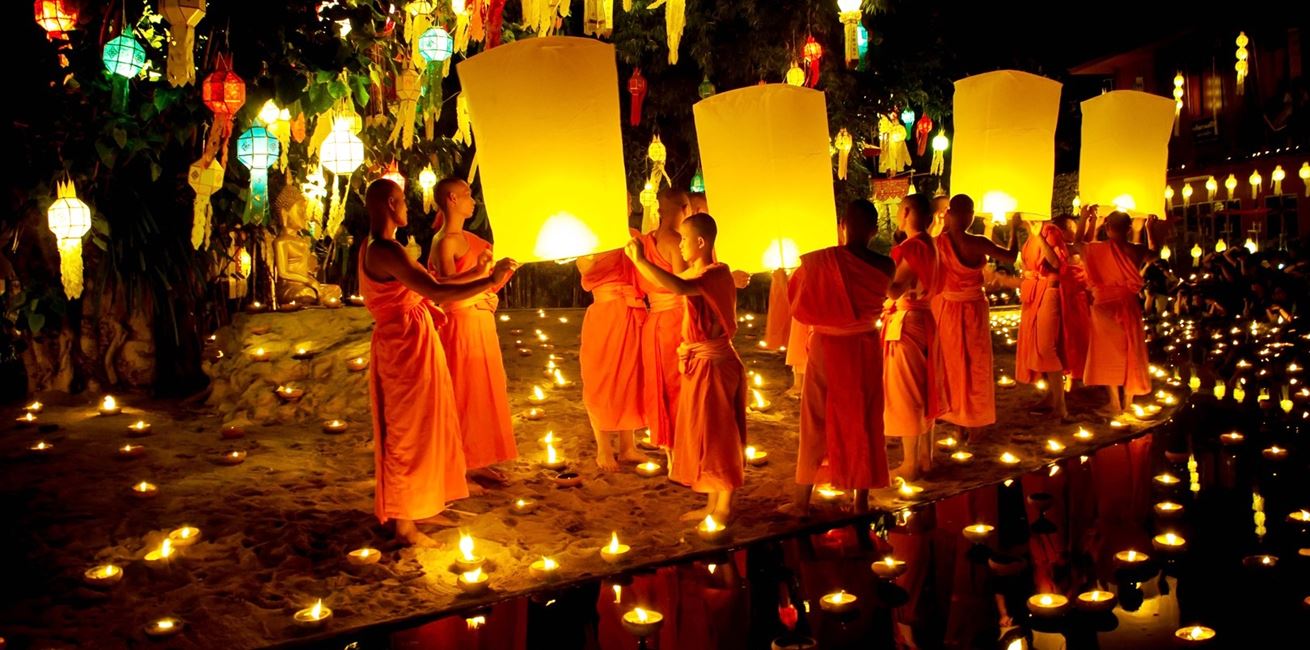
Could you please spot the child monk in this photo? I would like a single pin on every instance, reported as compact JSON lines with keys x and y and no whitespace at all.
{"x":1040,"y":352}
{"x":469,"y":337}
{"x":1116,"y":351}
{"x":611,"y":355}
{"x":838,"y":293}
{"x":711,"y":417}
{"x":908,"y":335}
{"x":660,"y":379}
{"x":419,"y":457}
{"x":963,"y":318}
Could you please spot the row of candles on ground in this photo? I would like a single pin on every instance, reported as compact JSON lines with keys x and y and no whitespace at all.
{"x":257,"y":307}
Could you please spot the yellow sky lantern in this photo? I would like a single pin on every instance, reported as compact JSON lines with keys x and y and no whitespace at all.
{"x":1125,"y":150}
{"x":1005,"y":142}
{"x":755,"y":141}
{"x":546,"y":119}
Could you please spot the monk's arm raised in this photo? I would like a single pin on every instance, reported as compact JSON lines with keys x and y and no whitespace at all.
{"x":658,"y":275}
{"x":392,"y":260}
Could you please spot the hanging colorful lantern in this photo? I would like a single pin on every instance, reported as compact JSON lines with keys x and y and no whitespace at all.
{"x":1178,"y":94}
{"x":940,"y":143}
{"x":205,"y":177}
{"x":258,"y":150}
{"x":1277,"y":177}
{"x":1168,"y":195}
{"x":1304,"y":174}
{"x":1197,"y":252}
{"x":706,"y":88}
{"x":1256,"y":180}
{"x":848,"y":12}
{"x":278,"y":122}
{"x":658,"y":155}
{"x":812,"y":53}
{"x":598,"y":18}
{"x":1220,"y":246}
{"x":862,"y":43}
{"x":1187,"y":194}
{"x":921,"y":130}
{"x":462,"y":14}
{"x":675,"y":19}
{"x":895,"y":154}
{"x":435,"y":44}
{"x":698,"y":181}
{"x":341,"y":153}
{"x":69,"y":219}
{"x":843,"y":143}
{"x":907,"y":116}
{"x":650,"y":217}
{"x":315,"y":191}
{"x":1230,"y":184}
{"x":392,"y":173}
{"x":224,"y":93}
{"x":407,"y":91}
{"x":427,"y":180}
{"x":183,"y":16}
{"x":418,"y":22}
{"x":795,"y":75}
{"x":123,"y":57}
{"x":495,"y":18}
{"x":55,"y":17}
{"x":463,"y":124}
{"x":1211,"y":188}
{"x":1241,"y":65}
{"x":637,"y":89}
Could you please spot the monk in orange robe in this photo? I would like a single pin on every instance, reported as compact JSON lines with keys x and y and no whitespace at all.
{"x":708,"y":453}
{"x":909,"y":335}
{"x":611,"y":355}
{"x":1039,"y":353}
{"x":660,"y":334}
{"x":777,"y":327}
{"x":1116,"y":352}
{"x":469,"y":337}
{"x":419,"y":458}
{"x":963,"y":317}
{"x":838,"y":294}
{"x":1075,"y":301}
{"x":798,"y":356}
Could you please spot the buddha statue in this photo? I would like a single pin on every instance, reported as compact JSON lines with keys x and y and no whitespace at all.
{"x":293,"y":253}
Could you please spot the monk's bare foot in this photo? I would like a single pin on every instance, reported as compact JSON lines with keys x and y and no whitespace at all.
{"x":696,"y":515}
{"x":607,"y":463}
{"x":793,"y":509}
{"x":409,"y":533}
{"x":489,"y":475}
{"x":439,"y":520}
{"x":476,"y":490}
{"x":632,"y":456}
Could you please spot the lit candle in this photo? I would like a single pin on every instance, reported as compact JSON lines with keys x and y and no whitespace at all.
{"x":104,"y":575}
{"x":642,"y":622}
{"x":1130,"y":558}
{"x":255,"y":307}
{"x":544,"y":569}
{"x":1168,"y":509}
{"x":1167,"y":480}
{"x":1260,"y":561}
{"x":978,"y":533}
{"x":1083,"y":435}
{"x":1054,"y":446}
{"x":364,"y":556}
{"x":538,"y":396}
{"x":534,"y":414}
{"x":828,"y":493}
{"x":138,"y":429}
{"x":524,"y":506}
{"x":25,"y":420}
{"x":758,"y":403}
{"x":1096,"y":601}
{"x":525,"y":352}
{"x":1195,"y":634}
{"x":614,"y":551}
{"x":1299,"y":517}
{"x":548,"y":439}
{"x":332,"y":303}
{"x":290,"y":393}
{"x":905,"y":489}
{"x":467,"y":560}
{"x":1041,"y":385}
{"x":650,"y":469}
{"x":758,"y":380}
{"x":1009,"y":458}
{"x":838,"y":602}
{"x":355,"y":300}
{"x":1239,"y":394}
{"x":1168,"y":542}
{"x":232,"y":432}
{"x":504,"y":318}
{"x":335,"y":426}
{"x":233,"y":457}
{"x":144,"y":490}
{"x":962,"y":456}
{"x":1232,"y":438}
{"x":34,"y":407}
{"x":1219,"y":389}
{"x":184,"y":536}
{"x":1005,"y":381}
{"x":160,"y":557}
{"x":1047,"y":605}
{"x":163,"y":627}
{"x":314,"y":616}
{"x":41,"y":448}
{"x":710,"y":530}
{"x":260,"y":354}
{"x":1193,"y":384}
{"x":889,"y":568}
{"x":474,"y":581}
{"x":756,"y":457}
{"x":560,"y":381}
{"x":553,"y":461}
{"x":356,"y":364}
{"x":1286,"y":405}
{"x":130,"y":451}
{"x":109,"y":406}
{"x":948,"y":442}
{"x":1274,"y":453}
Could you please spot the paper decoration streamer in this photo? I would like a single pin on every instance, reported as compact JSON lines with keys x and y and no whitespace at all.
{"x":205,"y":177}
{"x":675,"y":20}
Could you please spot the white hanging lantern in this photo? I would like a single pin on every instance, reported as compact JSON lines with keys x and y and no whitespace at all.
{"x":69,"y":219}
{"x":342,"y":153}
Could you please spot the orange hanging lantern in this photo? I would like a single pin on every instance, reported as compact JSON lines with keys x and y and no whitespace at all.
{"x":812,"y":52}
{"x":55,"y":17}
{"x":224,"y":93}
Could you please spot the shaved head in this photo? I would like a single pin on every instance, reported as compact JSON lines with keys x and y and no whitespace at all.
{"x":860,"y":222}
{"x":385,"y":202}
{"x":916,"y":211}
{"x":1117,"y":223}
{"x":703,"y":224}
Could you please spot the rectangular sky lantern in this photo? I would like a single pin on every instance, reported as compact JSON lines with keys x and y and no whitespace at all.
{"x":545,"y":116}
{"x":1125,"y":152}
{"x":1004,"y":149}
{"x":768,"y":175}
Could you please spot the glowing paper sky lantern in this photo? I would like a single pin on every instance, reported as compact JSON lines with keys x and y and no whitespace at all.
{"x":1125,"y":151}
{"x":556,"y":95}
{"x":205,"y":177}
{"x":258,"y":150}
{"x":69,"y":219}
{"x":55,"y":17}
{"x":341,"y":153}
{"x":183,"y":16}
{"x":742,"y":150}
{"x":1005,"y":142}
{"x":123,"y":57}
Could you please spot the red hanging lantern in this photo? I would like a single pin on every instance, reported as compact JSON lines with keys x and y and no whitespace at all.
{"x":921,"y":130}
{"x":224,"y":93}
{"x":637,"y":88}
{"x":55,"y":17}
{"x":812,"y":52}
{"x":495,"y":16}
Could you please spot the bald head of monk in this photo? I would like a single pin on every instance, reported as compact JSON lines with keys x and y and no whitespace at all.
{"x":385,"y":202}
{"x":697,"y":202}
{"x":1068,"y":226}
{"x":959,"y":213}
{"x":673,"y":206}
{"x":916,"y":214}
{"x":1117,"y":225}
{"x":698,"y":234}
{"x":454,"y":199}
{"x":858,"y":224}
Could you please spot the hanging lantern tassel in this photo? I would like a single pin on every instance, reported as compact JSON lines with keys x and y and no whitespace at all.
{"x":843,"y":143}
{"x":598,"y":18}
{"x":205,"y":178}
{"x":658,"y":155}
{"x":124,"y":57}
{"x":183,"y":16}
{"x":921,"y":130}
{"x":427,"y":179}
{"x":850,"y":20}
{"x":315,"y":190}
{"x":462,"y":15}
{"x":812,"y":53}
{"x":420,"y":19}
{"x":939,"y":145}
{"x":495,"y":18}
{"x":69,"y":219}
{"x":650,"y":216}
{"x":675,"y":19}
{"x":464,"y":125}
{"x":407,"y":91}
{"x":431,"y":98}
{"x":636,"y":88}
{"x":257,"y":149}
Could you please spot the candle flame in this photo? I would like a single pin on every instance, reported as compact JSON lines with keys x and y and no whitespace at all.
{"x":164,"y":624}
{"x":316,"y":612}
{"x":759,"y":380}
{"x":475,"y":622}
{"x":618,"y":594}
{"x":142,"y":486}
{"x":1138,"y":410}
{"x":1054,"y":445}
{"x":520,"y":503}
{"x":1046,"y":600}
{"x":166,"y":549}
{"x":466,"y":547}
{"x":889,"y":561}
{"x":559,"y":378}
{"x":140,"y":424}
{"x":614,"y":542}
{"x":1041,"y":384}
{"x":1009,"y":458}
{"x":641,"y":615}
{"x":549,"y":564}
{"x":712,"y":568}
{"x":750,"y":452}
{"x":35,"y":406}
{"x":473,"y":576}
{"x":537,"y":394}
{"x":1132,"y":556}
{"x":710,"y":525}
{"x":550,"y":454}
{"x":109,"y":403}
{"x":550,"y":437}
{"x":759,"y":398}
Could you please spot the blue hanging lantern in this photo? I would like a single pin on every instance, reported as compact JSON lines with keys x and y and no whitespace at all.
{"x":907,"y":116}
{"x":124,"y":58}
{"x":698,"y":181}
{"x":258,"y":150}
{"x":435,"y":44}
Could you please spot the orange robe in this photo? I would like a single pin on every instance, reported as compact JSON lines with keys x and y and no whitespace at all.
{"x":1116,"y":351}
{"x":473,"y":352}
{"x":418,"y":459}
{"x":708,"y":453}
{"x":798,"y":347}
{"x":1039,"y":348}
{"x":1075,"y":308}
{"x":610,"y":354}
{"x":909,"y":337}
{"x":777,"y":330}
{"x":964,"y":342}
{"x":839,"y":297}
{"x":660,"y":335}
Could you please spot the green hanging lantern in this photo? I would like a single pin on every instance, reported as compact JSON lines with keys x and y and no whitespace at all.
{"x":698,"y":181}
{"x":435,"y":44}
{"x":258,"y":150}
{"x":124,"y":58}
{"x":706,"y":88}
